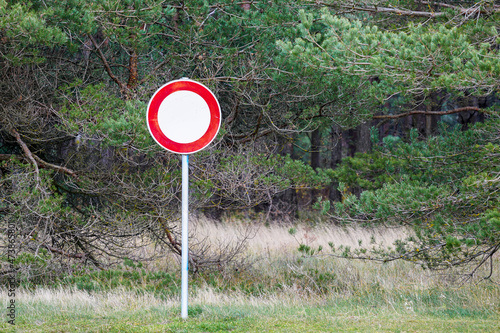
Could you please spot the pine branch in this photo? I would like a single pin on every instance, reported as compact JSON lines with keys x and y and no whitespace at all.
{"x":34,"y":159}
{"x":27,"y":152}
{"x":107,"y":67}
{"x":65,"y":254}
{"x":429,"y":113}
{"x":6,"y":157}
{"x":406,"y":12}
{"x":59,"y":168}
{"x":464,"y":11}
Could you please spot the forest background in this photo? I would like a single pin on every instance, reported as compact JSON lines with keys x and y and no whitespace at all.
{"x":372,"y":113}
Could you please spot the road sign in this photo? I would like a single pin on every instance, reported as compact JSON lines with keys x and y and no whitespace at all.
{"x":183,"y":116}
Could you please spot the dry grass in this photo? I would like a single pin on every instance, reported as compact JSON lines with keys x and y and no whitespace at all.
{"x":272,"y":249}
{"x":275,"y":258}
{"x":65,"y":299}
{"x":41,"y":300}
{"x":276,"y":240}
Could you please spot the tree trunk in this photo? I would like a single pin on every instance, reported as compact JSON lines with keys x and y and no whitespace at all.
{"x":348,"y":141}
{"x":336,"y":158}
{"x":315,"y":149}
{"x":363,"y":142}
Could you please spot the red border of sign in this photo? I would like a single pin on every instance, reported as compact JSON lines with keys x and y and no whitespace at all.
{"x":154,"y":127}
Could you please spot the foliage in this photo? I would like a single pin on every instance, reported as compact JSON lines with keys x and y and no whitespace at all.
{"x":367,"y":171}
{"x":413,"y":61}
{"x":24,"y":29}
{"x":445,"y":188}
{"x":100,"y":114}
{"x":82,"y":179}
{"x":248,"y":178}
{"x":83,"y":161}
{"x":445,"y":158}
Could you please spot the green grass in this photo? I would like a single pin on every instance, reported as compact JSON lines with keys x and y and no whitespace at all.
{"x":312,"y":318}
{"x":419,"y":311}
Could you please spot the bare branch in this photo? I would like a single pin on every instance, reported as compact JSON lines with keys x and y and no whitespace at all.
{"x":65,"y":254}
{"x":464,"y":11}
{"x":107,"y":67}
{"x":406,"y":12}
{"x":174,"y":245}
{"x":59,"y":168}
{"x":26,"y":151}
{"x":429,"y":113}
{"x":6,"y":157}
{"x":243,"y":138}
{"x":41,"y":163}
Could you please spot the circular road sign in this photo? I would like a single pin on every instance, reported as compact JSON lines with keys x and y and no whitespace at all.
{"x":183,"y":116}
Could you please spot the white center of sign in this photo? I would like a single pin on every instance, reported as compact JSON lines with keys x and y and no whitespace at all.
{"x":184,"y":116}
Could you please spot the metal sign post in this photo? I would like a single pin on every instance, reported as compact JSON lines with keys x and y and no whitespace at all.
{"x":185,"y":232}
{"x":184,"y":117}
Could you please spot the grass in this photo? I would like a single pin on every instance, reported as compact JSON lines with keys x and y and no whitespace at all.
{"x":281,"y":291}
{"x":120,"y":311}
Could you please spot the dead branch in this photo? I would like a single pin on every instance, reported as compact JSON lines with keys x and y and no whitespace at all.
{"x":59,"y":168}
{"x":26,"y":151}
{"x":6,"y":157}
{"x":41,"y":163}
{"x":464,"y":11}
{"x":65,"y":254}
{"x":107,"y":67}
{"x":428,"y":113}
{"x":243,"y":138}
{"x":405,"y":12}
{"x":174,"y":245}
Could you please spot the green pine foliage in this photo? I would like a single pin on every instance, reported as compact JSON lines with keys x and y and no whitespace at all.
{"x":414,"y":60}
{"x":100,"y":114}
{"x":76,"y":76}
{"x":445,"y":188}
{"x":24,"y":30}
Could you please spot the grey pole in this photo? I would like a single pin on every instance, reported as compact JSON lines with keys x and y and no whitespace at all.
{"x":185,"y":229}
